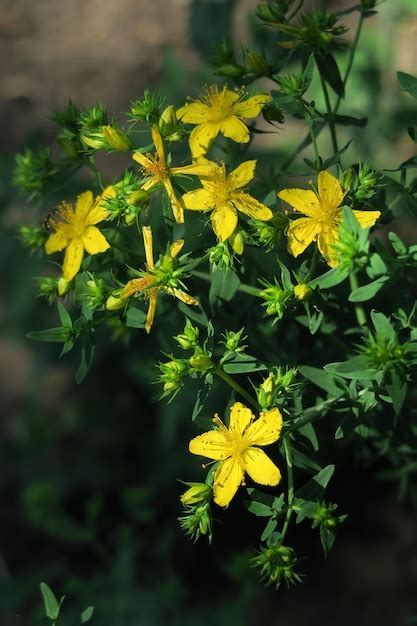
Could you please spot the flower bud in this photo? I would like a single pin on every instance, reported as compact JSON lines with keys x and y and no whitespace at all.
{"x":116,"y":139}
{"x":168,"y":121}
{"x":68,"y":147}
{"x":201,"y":362}
{"x":231,"y":71}
{"x":197,"y":493}
{"x":115,"y":302}
{"x":138,"y":197}
{"x":257,"y":63}
{"x":233,"y":340}
{"x":237,"y":241}
{"x":302,"y":292}
{"x":187,"y":340}
{"x":273,"y":113}
{"x":32,"y":237}
{"x":63,"y":286}
{"x":270,"y":12}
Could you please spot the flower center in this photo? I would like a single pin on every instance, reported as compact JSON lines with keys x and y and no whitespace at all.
{"x":220,"y":103}
{"x":220,"y":189}
{"x":157,"y":168}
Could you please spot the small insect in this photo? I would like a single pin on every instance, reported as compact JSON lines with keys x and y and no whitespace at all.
{"x":50,"y":215}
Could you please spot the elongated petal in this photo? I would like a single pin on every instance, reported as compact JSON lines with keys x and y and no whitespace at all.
{"x":330,"y":190}
{"x":148,"y":243}
{"x":266,"y":429}
{"x":301,"y":233}
{"x":73,"y":259}
{"x":235,"y":129}
{"x":325,"y":243}
{"x":56,"y":242}
{"x":94,"y":241}
{"x":136,"y":285}
{"x":260,"y":467}
{"x":367,"y":218}
{"x":176,"y":203}
{"x":240,"y":418}
{"x":198,"y":200}
{"x":99,"y":212}
{"x":227,"y":480}
{"x":193,"y":113}
{"x":176,"y":247}
{"x":158,"y":143}
{"x":153,"y":298}
{"x":183,"y":296}
{"x":303,"y":200}
{"x":84,"y":204}
{"x":211,"y":444}
{"x":142,"y":159}
{"x":224,"y":221}
{"x":195,"y":169}
{"x":252,"y":106}
{"x":242,"y":175}
{"x":250,"y":206}
{"x":149,"y":184}
{"x":202,"y":137}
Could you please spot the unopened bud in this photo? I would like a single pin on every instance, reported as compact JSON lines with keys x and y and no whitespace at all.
{"x":168,"y":121}
{"x":115,"y":302}
{"x":197,"y":493}
{"x":237,"y":241}
{"x":302,"y":291}
{"x":201,"y":362}
{"x":116,"y":139}
{"x":257,"y":63}
{"x":231,"y":71}
{"x":63,"y":286}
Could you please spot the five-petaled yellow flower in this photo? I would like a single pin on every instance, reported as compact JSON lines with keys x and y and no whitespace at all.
{"x":156,"y":168}
{"x":236,"y":450}
{"x":220,"y":112}
{"x":324,"y":214}
{"x":76,"y":231}
{"x":148,"y":282}
{"x":223,"y":193}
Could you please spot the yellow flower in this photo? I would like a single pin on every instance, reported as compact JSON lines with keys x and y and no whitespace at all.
{"x":324,"y":214}
{"x":149,"y":282}
{"x":220,"y":112}
{"x":76,"y":231}
{"x":236,"y":449}
{"x":222,"y":193}
{"x":156,"y":168}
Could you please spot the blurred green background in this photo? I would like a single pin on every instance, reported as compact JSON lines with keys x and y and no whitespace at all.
{"x":89,"y":496}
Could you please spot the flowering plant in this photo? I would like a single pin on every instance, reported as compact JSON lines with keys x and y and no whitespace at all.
{"x":287,"y":316}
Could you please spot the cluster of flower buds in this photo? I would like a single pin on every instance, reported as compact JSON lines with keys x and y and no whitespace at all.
{"x":278,"y":384}
{"x":276,"y":565}
{"x":197,"y":519}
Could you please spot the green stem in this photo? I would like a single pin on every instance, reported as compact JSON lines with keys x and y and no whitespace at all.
{"x":330,"y":114}
{"x":290,"y":488}
{"x":252,"y":291}
{"x":236,"y":387}
{"x":97,"y":174}
{"x":359,"y":310}
{"x":296,"y":10}
{"x":310,"y":415}
{"x":351,"y":59}
{"x":314,"y":140}
{"x":314,"y":260}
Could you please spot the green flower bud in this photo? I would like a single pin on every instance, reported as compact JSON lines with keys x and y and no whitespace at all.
{"x":116,"y":139}
{"x":302,"y":292}
{"x":273,"y":113}
{"x":257,"y":63}
{"x":197,"y":521}
{"x":272,"y":11}
{"x":201,"y":362}
{"x":231,"y":71}
{"x":68,"y":146}
{"x":233,"y":340}
{"x":237,"y":241}
{"x":197,"y":493}
{"x":187,"y":340}
{"x":115,"y":302}
{"x":276,"y":565}
{"x":139,"y":197}
{"x":47,"y":287}
{"x":33,"y":237}
{"x":168,"y":121}
{"x":64,"y":285}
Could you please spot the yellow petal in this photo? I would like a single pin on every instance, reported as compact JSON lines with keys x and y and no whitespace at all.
{"x":202,"y":137}
{"x":150,"y":183}
{"x":198,"y":200}
{"x":367,"y":218}
{"x":73,"y":259}
{"x":227,"y":480}
{"x":251,"y":107}
{"x":250,"y":206}
{"x":176,"y":248}
{"x":136,"y":285}
{"x":176,"y":203}
{"x":260,"y":467}
{"x":94,"y":241}
{"x":148,"y":243}
{"x":224,"y":221}
{"x":153,"y":298}
{"x":235,"y":129}
{"x":301,"y":233}
{"x":211,"y":444}
{"x":142,"y":159}
{"x":242,"y":175}
{"x":266,"y":429}
{"x":325,"y":243}
{"x":84,"y":204}
{"x":99,"y":212}
{"x":158,"y":142}
{"x":196,"y":169}
{"x":193,"y":113}
{"x":304,"y":200}
{"x":240,"y":418}
{"x":56,"y":242}
{"x":184,"y":297}
{"x":330,"y":190}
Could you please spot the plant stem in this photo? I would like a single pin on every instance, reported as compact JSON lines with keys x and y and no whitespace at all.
{"x":290,"y":488}
{"x":236,"y":387}
{"x":314,"y":140}
{"x":97,"y":174}
{"x":296,"y":10}
{"x":350,"y":61}
{"x":253,"y":291}
{"x":359,"y":310}
{"x":330,"y":114}
{"x":314,"y":260}
{"x":310,"y":415}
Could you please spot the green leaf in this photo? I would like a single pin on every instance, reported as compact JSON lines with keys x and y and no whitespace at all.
{"x":347,"y":120}
{"x":327,"y":538}
{"x":356,"y":368}
{"x":397,"y":244}
{"x":64,"y":316}
{"x":383,"y":326}
{"x":258,"y":508}
{"x":330,"y":279}
{"x":269,"y":529}
{"x":303,"y":461}
{"x":397,"y":391}
{"x":322,"y":379}
{"x":53,"y":335}
{"x":366,"y":292}
{"x":223,"y":286}
{"x":135,"y":318}
{"x":316,"y":486}
{"x":87,"y":614}
{"x":51,"y":604}
{"x":87,"y":356}
{"x":195,"y":314}
{"x":329,"y":70}
{"x":243,"y":363}
{"x":408,"y":83}
{"x":260,"y":496}
{"x":336,"y":156}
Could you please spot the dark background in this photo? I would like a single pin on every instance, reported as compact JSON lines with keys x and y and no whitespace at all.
{"x":88,"y":488}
